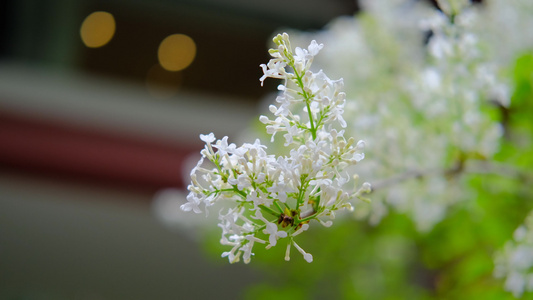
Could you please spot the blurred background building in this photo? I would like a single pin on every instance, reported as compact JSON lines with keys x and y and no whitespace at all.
{"x":101,"y":104}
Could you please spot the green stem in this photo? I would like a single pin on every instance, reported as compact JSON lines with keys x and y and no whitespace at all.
{"x":307,"y":99}
{"x":241,"y":193}
{"x":313,"y":216}
{"x":278,"y":206}
{"x":303,"y":188}
{"x":298,"y":221}
{"x":313,"y":129}
{"x":269,"y":210}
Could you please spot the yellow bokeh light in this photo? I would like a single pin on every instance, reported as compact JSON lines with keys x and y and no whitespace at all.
{"x":97,"y":29}
{"x":176,"y":52}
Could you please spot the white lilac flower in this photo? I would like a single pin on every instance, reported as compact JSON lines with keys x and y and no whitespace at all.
{"x":271,"y":229}
{"x":515,"y":261}
{"x":307,"y":256}
{"x":276,"y":197}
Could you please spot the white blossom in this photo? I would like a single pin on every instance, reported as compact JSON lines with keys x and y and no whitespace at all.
{"x":276,"y":197}
{"x":515,"y":261}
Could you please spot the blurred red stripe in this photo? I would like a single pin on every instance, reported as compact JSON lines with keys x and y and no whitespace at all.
{"x":54,"y":149}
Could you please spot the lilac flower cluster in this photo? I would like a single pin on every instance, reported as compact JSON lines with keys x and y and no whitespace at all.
{"x":271,"y":197}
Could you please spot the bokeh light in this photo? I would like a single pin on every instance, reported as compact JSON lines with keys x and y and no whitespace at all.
{"x":97,"y":29}
{"x":176,"y":52}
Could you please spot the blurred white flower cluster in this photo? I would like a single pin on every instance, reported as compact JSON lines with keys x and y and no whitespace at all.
{"x":276,"y":197}
{"x":515,"y":262}
{"x":422,"y":82}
